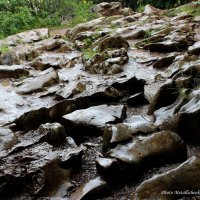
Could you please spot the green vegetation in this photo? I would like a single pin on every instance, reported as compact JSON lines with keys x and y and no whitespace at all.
{"x":81,"y":13}
{"x":4,"y":49}
{"x":88,"y":53}
{"x":20,"y":15}
{"x":192,"y":9}
{"x":89,"y":40}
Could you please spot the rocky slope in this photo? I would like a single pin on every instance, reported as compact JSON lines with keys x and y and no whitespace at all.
{"x":110,"y":110}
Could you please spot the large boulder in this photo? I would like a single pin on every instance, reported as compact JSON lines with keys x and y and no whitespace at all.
{"x":150,"y":10}
{"x":181,"y":116}
{"x":49,"y":60}
{"x":26,"y":37}
{"x":194,"y":49}
{"x":7,"y":139}
{"x":108,"y":9}
{"x":108,"y":62}
{"x":14,"y":71}
{"x":44,"y":79}
{"x":8,"y":58}
{"x":112,"y":42}
{"x":91,"y":121}
{"x":92,"y":189}
{"x":114,"y":134}
{"x":40,"y":167}
{"x":165,"y":146}
{"x":182,"y":181}
{"x":84,"y":27}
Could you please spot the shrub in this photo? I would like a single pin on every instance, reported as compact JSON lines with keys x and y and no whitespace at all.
{"x":17,"y":16}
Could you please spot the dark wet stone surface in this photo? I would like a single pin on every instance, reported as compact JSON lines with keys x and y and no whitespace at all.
{"x":97,"y":120}
{"x":36,"y":84}
{"x":181,"y":179}
{"x":93,"y":189}
{"x":14,"y":71}
{"x":162,"y":144}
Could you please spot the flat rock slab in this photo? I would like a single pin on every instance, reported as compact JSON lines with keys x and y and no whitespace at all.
{"x":48,"y":60}
{"x":114,"y":134}
{"x":52,"y":133}
{"x":7,"y":138}
{"x":93,"y":119}
{"x":165,"y":145}
{"x":91,"y":190}
{"x":165,"y":47}
{"x":186,"y":177}
{"x":39,"y":165}
{"x":46,"y":78}
{"x":182,"y":115}
{"x":14,"y":71}
{"x":26,"y":37}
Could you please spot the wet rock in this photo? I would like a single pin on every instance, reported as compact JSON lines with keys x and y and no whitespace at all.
{"x":35,"y":165}
{"x":35,"y":84}
{"x":181,"y":16}
{"x":137,"y":124}
{"x":165,"y":146}
{"x":71,"y":89}
{"x":191,"y":69}
{"x":87,"y":34}
{"x":7,"y":139}
{"x":137,"y":99}
{"x":150,"y":10}
{"x":189,"y":118}
{"x":182,"y":116}
{"x":27,"y":37}
{"x":8,"y":59}
{"x":85,"y":39}
{"x":71,"y":155}
{"x":55,"y":61}
{"x":91,"y":121}
{"x":114,"y":134}
{"x":131,"y":33}
{"x":112,"y":42}
{"x":55,"y":133}
{"x":108,"y":62}
{"x":107,"y":167}
{"x":93,"y":189}
{"x":166,"y":46}
{"x":53,"y":44}
{"x":29,"y":52}
{"x":127,"y":19}
{"x":108,"y":9}
{"x":195,"y":49}
{"x":33,"y":118}
{"x":84,"y":27}
{"x":183,"y":178}
{"x":14,"y":71}
{"x":26,"y":53}
{"x":126,"y":87}
{"x":166,"y":95}
{"x":164,"y":62}
{"x":127,"y":11}
{"x":105,"y":163}
{"x":39,"y":166}
{"x":115,"y":69}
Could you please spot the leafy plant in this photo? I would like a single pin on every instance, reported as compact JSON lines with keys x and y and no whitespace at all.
{"x":4,"y":49}
{"x":88,"y":53}
{"x":17,"y":16}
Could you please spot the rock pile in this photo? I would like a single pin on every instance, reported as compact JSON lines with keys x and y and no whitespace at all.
{"x":111,"y":111}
